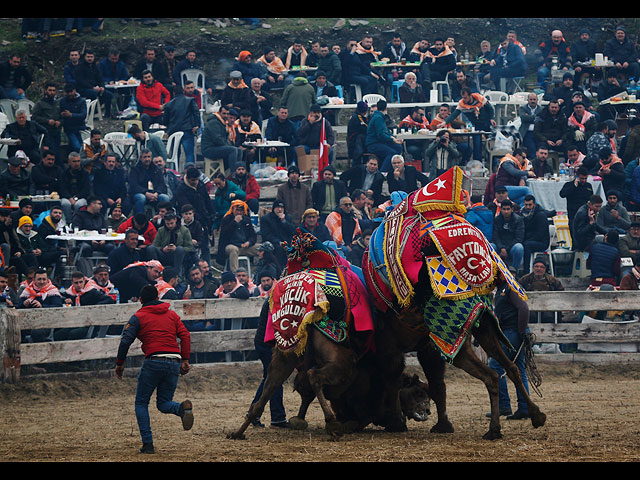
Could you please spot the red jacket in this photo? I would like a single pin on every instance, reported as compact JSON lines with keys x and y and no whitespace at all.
{"x":158,"y":328}
{"x":150,"y":98}
{"x":252,"y":189}
{"x":149,"y":234}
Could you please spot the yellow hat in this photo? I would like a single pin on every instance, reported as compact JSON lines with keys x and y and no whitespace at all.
{"x":23,"y":220}
{"x":310,"y":211}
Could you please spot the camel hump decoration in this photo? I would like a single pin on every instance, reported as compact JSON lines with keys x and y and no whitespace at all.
{"x":428,"y":228}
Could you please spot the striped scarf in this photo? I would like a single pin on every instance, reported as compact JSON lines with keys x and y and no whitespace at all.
{"x":472,"y":108}
{"x":88,"y":285}
{"x":32,"y":292}
{"x":363,"y":51}
{"x":573,"y":121}
{"x":274,"y":66}
{"x":416,"y":51}
{"x":303,"y":57}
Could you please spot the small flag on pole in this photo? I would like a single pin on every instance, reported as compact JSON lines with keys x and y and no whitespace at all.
{"x":323,"y":154}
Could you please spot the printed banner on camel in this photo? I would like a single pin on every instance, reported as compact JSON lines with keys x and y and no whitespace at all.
{"x":296,"y":301}
{"x":466,"y":250}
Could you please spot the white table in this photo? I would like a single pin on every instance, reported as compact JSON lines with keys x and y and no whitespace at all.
{"x":547,"y":192}
{"x":270,"y":144}
{"x":89,"y":237}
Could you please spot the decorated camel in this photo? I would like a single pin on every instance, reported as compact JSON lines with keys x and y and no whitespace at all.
{"x":431,"y":274}
{"x":320,"y":323}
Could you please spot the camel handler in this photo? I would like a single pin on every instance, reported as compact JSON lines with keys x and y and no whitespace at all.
{"x":157,"y":327}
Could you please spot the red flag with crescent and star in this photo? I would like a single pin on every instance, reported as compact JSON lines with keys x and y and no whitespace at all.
{"x":442,"y":195}
{"x":323,"y":155}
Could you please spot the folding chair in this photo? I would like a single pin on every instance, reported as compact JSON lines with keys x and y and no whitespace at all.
{"x":173,"y":150}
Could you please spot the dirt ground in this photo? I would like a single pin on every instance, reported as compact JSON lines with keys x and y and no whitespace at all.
{"x":593,"y":416}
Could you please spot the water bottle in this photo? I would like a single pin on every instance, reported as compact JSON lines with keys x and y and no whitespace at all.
{"x":466,"y":55}
{"x":562,"y":170}
{"x":117,"y":294}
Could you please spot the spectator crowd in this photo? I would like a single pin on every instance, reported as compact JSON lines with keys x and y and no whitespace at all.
{"x":191,"y":235}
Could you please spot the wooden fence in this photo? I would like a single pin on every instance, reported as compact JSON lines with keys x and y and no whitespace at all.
{"x":14,"y":353}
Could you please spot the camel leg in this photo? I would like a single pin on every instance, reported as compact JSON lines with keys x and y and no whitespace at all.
{"x":330,"y":374}
{"x":433,"y":366}
{"x":307,"y":396}
{"x":391,"y":364}
{"x":488,"y":339}
{"x":467,"y":360}
{"x":281,"y":367}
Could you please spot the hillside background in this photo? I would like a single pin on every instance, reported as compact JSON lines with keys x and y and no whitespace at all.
{"x":217,"y":46}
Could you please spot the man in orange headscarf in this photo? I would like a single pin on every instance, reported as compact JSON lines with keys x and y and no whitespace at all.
{"x":237,"y":235}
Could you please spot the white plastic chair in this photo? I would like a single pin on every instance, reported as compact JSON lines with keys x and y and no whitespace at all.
{"x":92,"y":106}
{"x":372,"y":98}
{"x":173,"y":150}
{"x":9,"y":107}
{"x":197,"y":76}
{"x":496,"y":96}
{"x":26,"y":105}
{"x":119,"y":149}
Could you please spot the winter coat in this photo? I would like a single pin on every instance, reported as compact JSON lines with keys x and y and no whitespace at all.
{"x":536,"y":226}
{"x":198,"y":198}
{"x":109,"y":183}
{"x":150,"y":98}
{"x":78,"y":108}
{"x":482,"y":218}
{"x":182,"y":238}
{"x":298,"y":98}
{"x":507,"y":233}
{"x":113,"y":72}
{"x":296,"y":199}
{"x":140,"y":176}
{"x":181,"y":114}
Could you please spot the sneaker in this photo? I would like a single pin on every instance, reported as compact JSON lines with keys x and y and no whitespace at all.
{"x":147,"y":448}
{"x":502,"y":413}
{"x":519,"y":415}
{"x":284,"y":424}
{"x":186,"y":413}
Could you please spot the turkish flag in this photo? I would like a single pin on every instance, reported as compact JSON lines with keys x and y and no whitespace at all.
{"x":323,"y":155}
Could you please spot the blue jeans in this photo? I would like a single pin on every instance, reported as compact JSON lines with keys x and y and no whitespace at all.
{"x":188,"y":143}
{"x":11,"y":93}
{"x":75,"y":140}
{"x":278,"y":414}
{"x":504,"y":401}
{"x":139,"y":201}
{"x":384,"y":152}
{"x":230,"y":154}
{"x":516,"y":253}
{"x":517,"y":194}
{"x":162,"y":376}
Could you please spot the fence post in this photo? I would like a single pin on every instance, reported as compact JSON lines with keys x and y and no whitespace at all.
{"x":9,"y":347}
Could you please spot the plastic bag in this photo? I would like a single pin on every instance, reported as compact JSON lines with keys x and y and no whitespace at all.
{"x":503,"y":143}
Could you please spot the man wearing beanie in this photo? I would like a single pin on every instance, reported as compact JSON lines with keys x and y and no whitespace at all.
{"x":275,"y":227}
{"x":622,"y":52}
{"x":357,"y":133}
{"x":33,"y":250}
{"x":584,"y":50}
{"x":295,"y":195}
{"x":249,"y":185}
{"x":230,"y":287}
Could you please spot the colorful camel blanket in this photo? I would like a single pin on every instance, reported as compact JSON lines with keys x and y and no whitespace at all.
{"x":296,"y":301}
{"x":451,"y":321}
